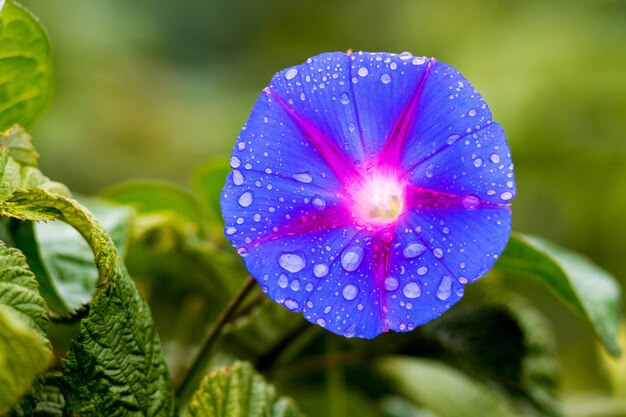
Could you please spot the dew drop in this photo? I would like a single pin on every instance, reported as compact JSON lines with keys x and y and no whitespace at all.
{"x":241,"y":146}
{"x":363,"y":72}
{"x":295,"y":285}
{"x":412,"y":290}
{"x":406,"y":56}
{"x":350,"y":292}
{"x":318,"y":202}
{"x":292,"y":262}
{"x":422,"y":270}
{"x":320,"y":270}
{"x":245,"y":199}
{"x":283,"y":281}
{"x":304,"y":177}
{"x":391,"y":283}
{"x":506,"y":196}
{"x":472,"y":113}
{"x":478,"y":162}
{"x":327,"y":309}
{"x":235,"y":162}
{"x":257,"y":217}
{"x":302,"y":96}
{"x":321,"y":322}
{"x":471,"y":202}
{"x":452,"y":139}
{"x":290,"y":74}
{"x":495,"y":158}
{"x":238,"y":177}
{"x":445,"y":288}
{"x":419,"y":60}
{"x":344,"y":99}
{"x":351,"y":258}
{"x":438,"y":252}
{"x":231,"y":231}
{"x":291,"y":304}
{"x":350,"y":331}
{"x":413,"y":250}
{"x":385,"y":78}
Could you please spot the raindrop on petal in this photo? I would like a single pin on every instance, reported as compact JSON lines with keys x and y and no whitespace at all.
{"x":351,"y":258}
{"x":412,"y":290}
{"x":445,"y":288}
{"x":350,"y":292}
{"x":391,"y":283}
{"x":320,"y":270}
{"x":363,"y":72}
{"x":413,"y":250}
{"x":385,"y":78}
{"x":292,"y":262}
{"x":245,"y":199}
{"x":471,"y":202}
{"x":290,"y":74}
{"x":291,"y":304}
{"x":506,"y":196}
{"x":304,"y":177}
{"x":344,"y":99}
{"x":318,"y":202}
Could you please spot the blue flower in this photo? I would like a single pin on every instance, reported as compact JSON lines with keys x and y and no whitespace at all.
{"x":367,"y":189}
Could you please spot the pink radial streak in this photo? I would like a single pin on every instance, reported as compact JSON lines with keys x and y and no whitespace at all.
{"x":341,"y":165}
{"x":394,"y":147}
{"x":416,"y":198}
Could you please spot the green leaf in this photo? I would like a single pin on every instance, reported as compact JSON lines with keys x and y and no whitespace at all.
{"x":116,"y":365}
{"x":24,"y":354}
{"x":207,"y":182}
{"x":444,"y":390}
{"x":18,"y":165}
{"x":590,"y":291}
{"x":26,"y":71}
{"x":62,"y":259}
{"x":44,"y":399}
{"x":19,"y":290}
{"x":238,"y":391}
{"x":154,"y":197}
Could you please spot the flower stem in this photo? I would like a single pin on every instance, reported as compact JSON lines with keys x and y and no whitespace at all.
{"x":198,"y":368}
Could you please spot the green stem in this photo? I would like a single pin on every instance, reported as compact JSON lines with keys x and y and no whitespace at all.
{"x":199,"y":366}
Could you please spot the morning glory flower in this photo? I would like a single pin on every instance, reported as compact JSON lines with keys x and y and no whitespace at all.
{"x":368,"y":189}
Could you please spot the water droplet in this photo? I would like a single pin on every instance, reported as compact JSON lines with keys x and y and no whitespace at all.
{"x":350,"y":292}
{"x":238,"y":178}
{"x":304,"y":177}
{"x":393,"y":65}
{"x":471,"y":202}
{"x":412,"y":290}
{"x":290,"y":74}
{"x":386,"y":236}
{"x":235,"y":162}
{"x":231,"y":231}
{"x":422,"y":270}
{"x":391,"y":283}
{"x":413,"y":250}
{"x":472,"y":113}
{"x":295,"y":285}
{"x":463,"y":280}
{"x":302,"y":96}
{"x":327,"y":309}
{"x":419,"y":60}
{"x":406,"y":56}
{"x":283,"y":281}
{"x":350,"y":331}
{"x":292,"y":262}
{"x":385,"y":78}
{"x":245,"y":199}
{"x":241,"y":146}
{"x":445,"y":288}
{"x":344,"y":99}
{"x":506,"y":195}
{"x":363,"y":72}
{"x":351,"y":258}
{"x":452,"y":139}
{"x":318,"y":202}
{"x":495,"y":158}
{"x":321,"y":322}
{"x":320,"y":270}
{"x":257,"y":217}
{"x":438,"y":252}
{"x":478,"y":162}
{"x":291,"y":304}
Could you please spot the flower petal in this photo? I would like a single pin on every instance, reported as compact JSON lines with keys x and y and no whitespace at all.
{"x":476,"y":166}
{"x":326,"y":275}
{"x":436,"y":252}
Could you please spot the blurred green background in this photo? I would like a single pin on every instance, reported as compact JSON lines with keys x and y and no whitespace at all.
{"x":151,"y":89}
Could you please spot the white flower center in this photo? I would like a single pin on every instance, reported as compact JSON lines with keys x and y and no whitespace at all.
{"x":378,"y":200}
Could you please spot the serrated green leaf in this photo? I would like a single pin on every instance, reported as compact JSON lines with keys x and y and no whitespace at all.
{"x":208,"y":181}
{"x":62,"y":259}
{"x":19,"y":290}
{"x":45,"y":399}
{"x":445,"y":390}
{"x":20,"y":145}
{"x":154,"y":197}
{"x":238,"y":391}
{"x":590,"y":291}
{"x":23,"y":355}
{"x":116,"y":365}
{"x":26,"y":69}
